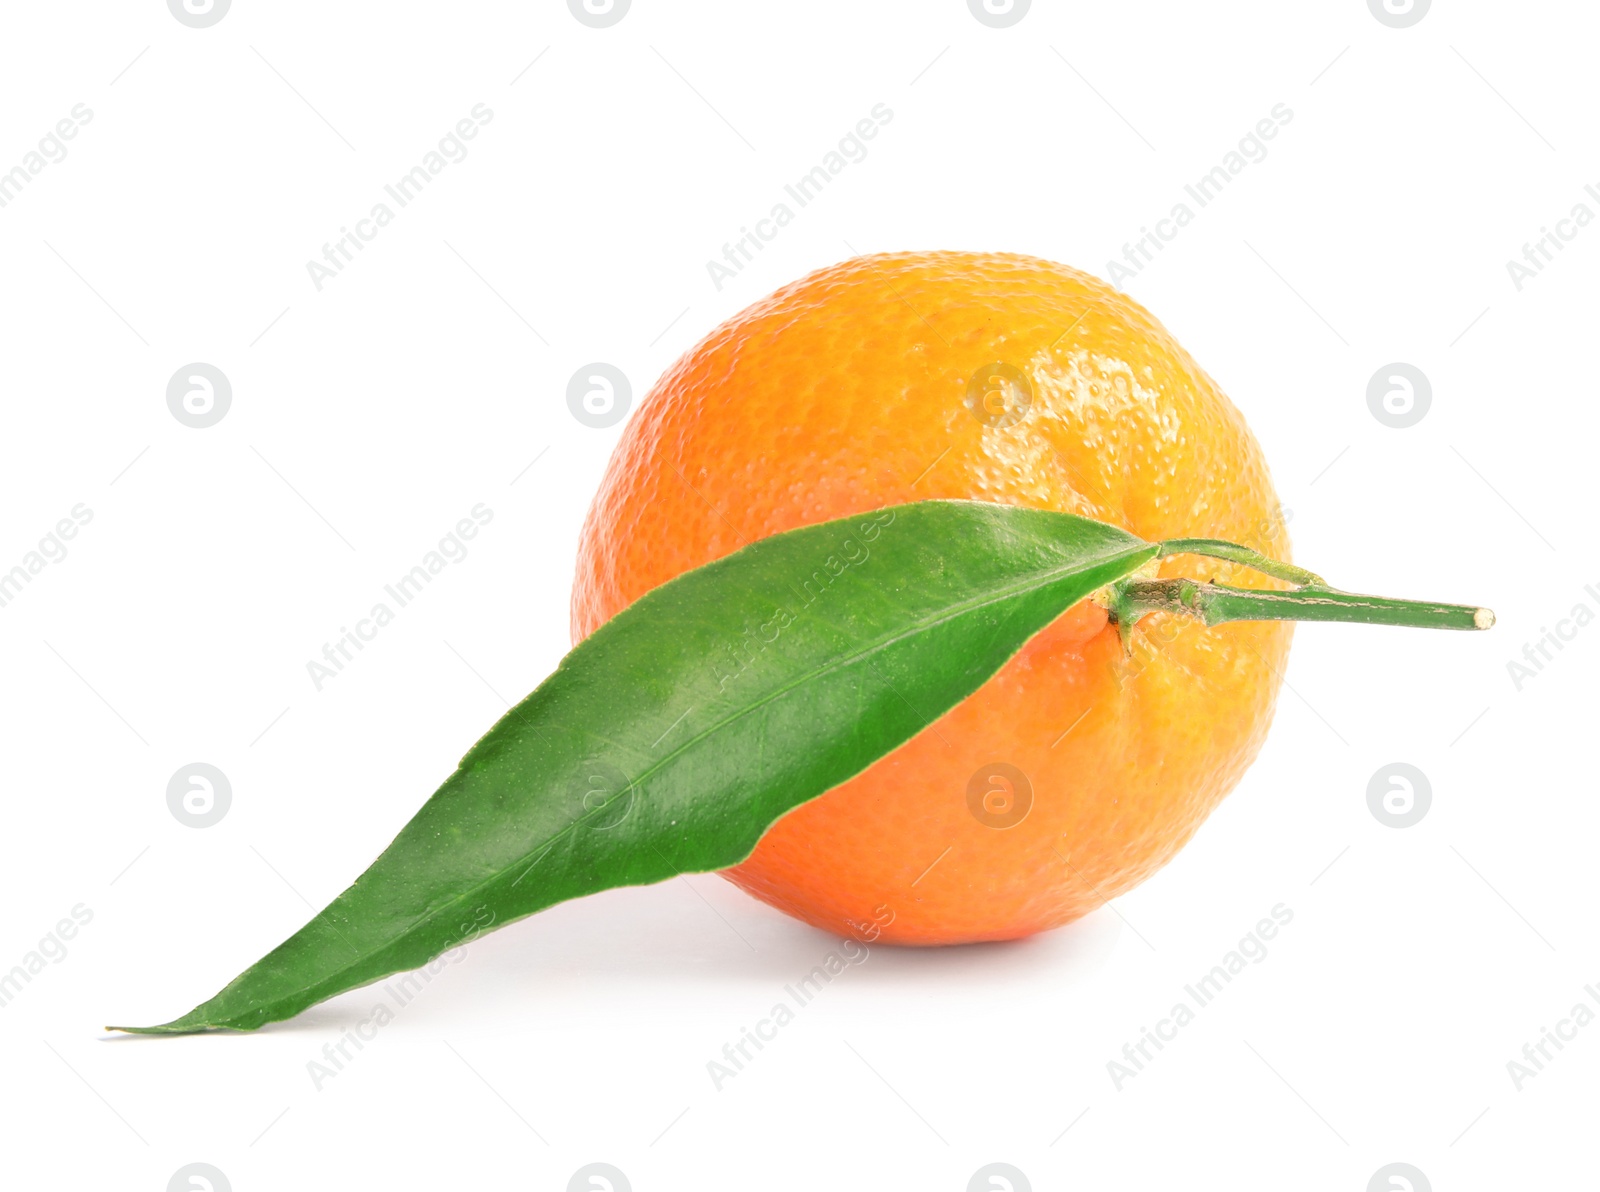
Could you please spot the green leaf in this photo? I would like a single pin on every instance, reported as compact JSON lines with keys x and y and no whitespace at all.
{"x":683,"y":728}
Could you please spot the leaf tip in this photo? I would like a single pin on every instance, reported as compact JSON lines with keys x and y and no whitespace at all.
{"x":176,"y":1027}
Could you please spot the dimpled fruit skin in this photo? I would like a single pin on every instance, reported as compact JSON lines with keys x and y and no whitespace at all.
{"x":844,"y":392}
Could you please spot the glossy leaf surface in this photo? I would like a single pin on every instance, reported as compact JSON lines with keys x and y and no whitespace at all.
{"x":671,"y":739}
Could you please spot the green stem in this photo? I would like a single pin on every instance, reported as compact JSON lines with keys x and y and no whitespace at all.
{"x":1217,"y":548}
{"x":1215,"y":604}
{"x":1310,"y":600}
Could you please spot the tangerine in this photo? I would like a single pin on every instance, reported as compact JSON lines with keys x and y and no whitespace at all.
{"x":1079,"y":769}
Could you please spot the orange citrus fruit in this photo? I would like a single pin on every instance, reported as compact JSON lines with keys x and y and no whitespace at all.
{"x":1077,"y":770}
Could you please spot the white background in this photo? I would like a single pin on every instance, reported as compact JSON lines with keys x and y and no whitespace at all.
{"x":369,"y":417}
